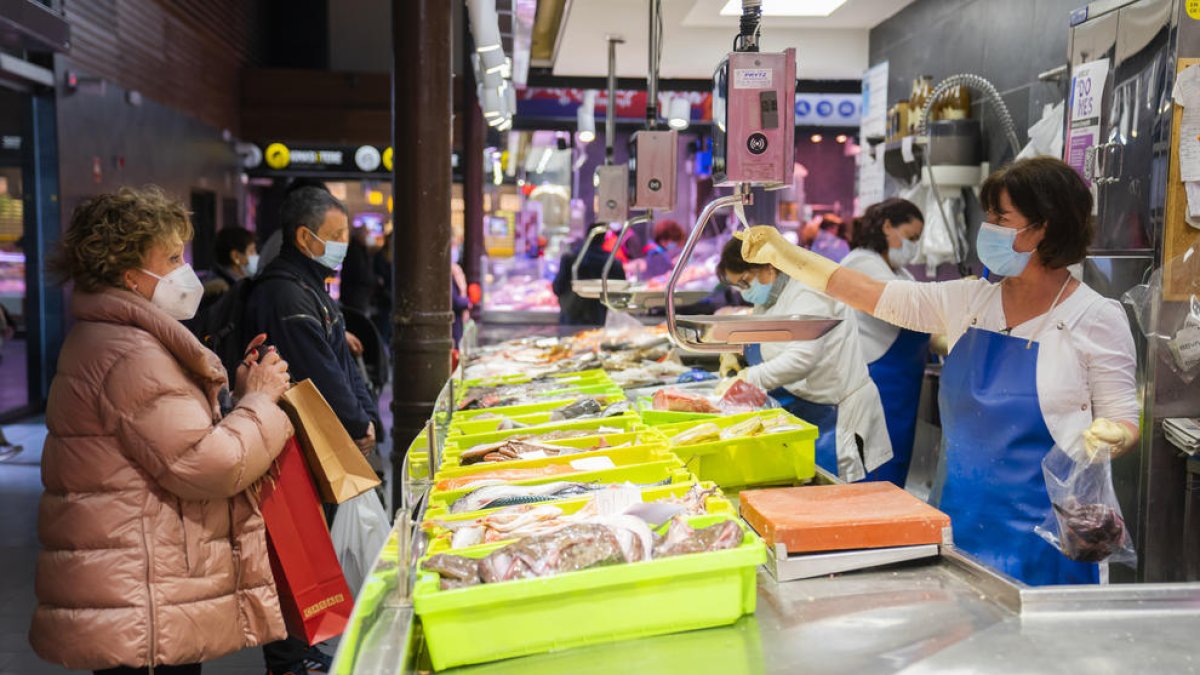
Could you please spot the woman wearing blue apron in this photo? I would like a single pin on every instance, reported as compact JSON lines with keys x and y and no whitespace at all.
{"x":1036,"y":360}
{"x":824,"y":382}
{"x":884,"y":242}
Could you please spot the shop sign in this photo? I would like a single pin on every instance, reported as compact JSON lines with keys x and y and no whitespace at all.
{"x":277,"y":156}
{"x":555,"y":103}
{"x":828,"y":110}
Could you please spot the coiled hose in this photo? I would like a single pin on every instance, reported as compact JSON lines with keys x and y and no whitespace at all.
{"x":982,"y":86}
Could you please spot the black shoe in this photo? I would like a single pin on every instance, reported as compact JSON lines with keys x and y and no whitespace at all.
{"x":317,"y":661}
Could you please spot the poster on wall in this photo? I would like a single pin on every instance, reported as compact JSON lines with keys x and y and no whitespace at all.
{"x":1087,"y":96}
{"x":871,"y":176}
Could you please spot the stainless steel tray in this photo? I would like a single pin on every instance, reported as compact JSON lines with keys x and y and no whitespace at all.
{"x":593,"y":288}
{"x":735,"y":329}
{"x":634,"y":298}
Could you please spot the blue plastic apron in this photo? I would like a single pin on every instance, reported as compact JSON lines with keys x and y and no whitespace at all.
{"x":995,"y":440}
{"x":824,"y":416}
{"x":898,"y":375}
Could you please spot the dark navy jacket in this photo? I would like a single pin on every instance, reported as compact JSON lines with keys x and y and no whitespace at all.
{"x":290,"y":304}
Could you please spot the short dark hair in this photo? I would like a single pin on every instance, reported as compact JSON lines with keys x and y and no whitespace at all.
{"x":230,"y":239}
{"x":667,"y":230}
{"x":732,"y":262}
{"x":868,"y":229}
{"x":306,"y":207}
{"x":1051,"y":195}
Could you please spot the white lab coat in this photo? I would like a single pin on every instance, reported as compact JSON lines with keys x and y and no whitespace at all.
{"x":1086,"y":365}
{"x":830,"y":370}
{"x":877,"y":336}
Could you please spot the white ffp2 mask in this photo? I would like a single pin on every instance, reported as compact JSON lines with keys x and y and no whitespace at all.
{"x":178,"y":293}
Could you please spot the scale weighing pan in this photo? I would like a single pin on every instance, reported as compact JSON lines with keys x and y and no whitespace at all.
{"x":635,"y":298}
{"x":753,"y":329}
{"x":593,"y":288}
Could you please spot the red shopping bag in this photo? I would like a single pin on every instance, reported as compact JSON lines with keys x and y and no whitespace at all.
{"x":313,"y":594}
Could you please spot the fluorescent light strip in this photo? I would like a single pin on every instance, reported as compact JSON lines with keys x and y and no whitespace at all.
{"x":787,"y":7}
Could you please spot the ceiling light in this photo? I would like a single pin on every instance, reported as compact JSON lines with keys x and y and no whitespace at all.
{"x":787,"y":7}
{"x":817,"y":138}
{"x":841,"y":138}
{"x":679,"y":113}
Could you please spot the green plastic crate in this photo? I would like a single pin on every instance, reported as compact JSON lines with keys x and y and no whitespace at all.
{"x":440,"y":536}
{"x":578,"y":377}
{"x":636,"y":435}
{"x":418,"y":456}
{"x":529,"y":616}
{"x":611,"y":394}
{"x":573,"y":390}
{"x":538,"y":423}
{"x":666,"y":470}
{"x":767,"y":459}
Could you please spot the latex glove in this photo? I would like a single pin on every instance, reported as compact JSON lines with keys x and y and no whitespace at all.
{"x":730,"y":365}
{"x":1106,"y":438}
{"x":726,"y":383}
{"x":939,"y":344}
{"x":765,"y":245}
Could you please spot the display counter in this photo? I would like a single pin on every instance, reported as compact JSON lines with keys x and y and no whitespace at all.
{"x":947,"y":613}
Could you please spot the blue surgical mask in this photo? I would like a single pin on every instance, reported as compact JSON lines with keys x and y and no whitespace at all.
{"x":995,"y":247}
{"x":251,"y":266}
{"x":902,"y":255}
{"x":335,"y":252}
{"x":758,"y":293}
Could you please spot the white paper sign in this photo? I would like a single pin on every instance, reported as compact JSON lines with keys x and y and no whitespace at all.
{"x":1087,"y":97}
{"x":616,"y":500}
{"x":593,"y":464}
{"x":906,"y":150}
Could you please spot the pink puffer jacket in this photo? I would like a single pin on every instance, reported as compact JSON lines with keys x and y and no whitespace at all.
{"x":153,"y":550}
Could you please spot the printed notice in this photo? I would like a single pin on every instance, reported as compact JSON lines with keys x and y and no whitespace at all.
{"x":1087,"y":97}
{"x":752,"y":78}
{"x":1187,"y":94}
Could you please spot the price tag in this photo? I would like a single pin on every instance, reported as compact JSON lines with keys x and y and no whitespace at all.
{"x":593,"y":464}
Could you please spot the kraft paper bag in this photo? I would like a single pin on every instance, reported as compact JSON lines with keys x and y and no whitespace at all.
{"x":313,"y":595}
{"x":338,"y":466}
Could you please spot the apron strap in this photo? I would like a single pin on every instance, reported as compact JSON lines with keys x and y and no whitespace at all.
{"x":1046,"y":317}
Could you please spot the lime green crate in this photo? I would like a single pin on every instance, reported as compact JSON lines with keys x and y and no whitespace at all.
{"x":627,"y":456}
{"x":418,"y":456}
{"x":578,"y":377}
{"x":538,"y":423}
{"x":582,"y":389}
{"x":666,"y":471}
{"x":680,"y":482}
{"x":635,"y":434}
{"x":593,"y":606}
{"x":766,"y":459}
{"x":440,"y":535}
{"x":654,"y":418}
{"x":611,"y":395}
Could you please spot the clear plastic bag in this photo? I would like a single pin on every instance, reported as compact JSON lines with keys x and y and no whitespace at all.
{"x":1085,"y":522}
{"x":360,"y":529}
{"x":1173,"y":324}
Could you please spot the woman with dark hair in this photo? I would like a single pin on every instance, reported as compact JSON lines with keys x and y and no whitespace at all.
{"x":1037,"y":360}
{"x":660,"y":253}
{"x":825,"y":381}
{"x":884,"y":242}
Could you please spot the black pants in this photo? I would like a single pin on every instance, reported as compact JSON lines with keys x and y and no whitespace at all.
{"x":284,"y":654}
{"x":186,"y":669}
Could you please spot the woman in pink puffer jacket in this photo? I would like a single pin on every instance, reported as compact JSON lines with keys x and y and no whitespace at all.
{"x":154,"y":553}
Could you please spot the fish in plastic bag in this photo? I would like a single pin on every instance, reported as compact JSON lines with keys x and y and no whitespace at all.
{"x":1085,"y":522}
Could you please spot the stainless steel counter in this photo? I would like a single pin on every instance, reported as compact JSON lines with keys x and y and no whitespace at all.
{"x":942,"y":616}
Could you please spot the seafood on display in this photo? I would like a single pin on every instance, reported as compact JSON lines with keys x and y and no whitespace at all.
{"x":750,"y":427}
{"x":502,"y":495}
{"x":484,"y":478}
{"x":607,"y":541}
{"x":680,"y":401}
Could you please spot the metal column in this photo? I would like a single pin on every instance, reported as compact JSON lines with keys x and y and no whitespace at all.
{"x":472,"y":158}
{"x":421,"y":135}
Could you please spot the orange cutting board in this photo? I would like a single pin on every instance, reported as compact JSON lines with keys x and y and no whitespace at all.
{"x":842,"y":517}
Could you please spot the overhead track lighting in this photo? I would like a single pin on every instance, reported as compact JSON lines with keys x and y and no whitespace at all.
{"x":585,"y":117}
{"x":679,"y":113}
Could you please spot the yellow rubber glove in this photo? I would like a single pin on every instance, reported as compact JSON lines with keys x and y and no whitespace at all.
{"x":729,"y":364}
{"x":939,"y":344}
{"x":1106,"y":438}
{"x":765,"y":245}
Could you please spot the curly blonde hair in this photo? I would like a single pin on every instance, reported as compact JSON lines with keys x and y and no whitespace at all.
{"x":109,"y":234}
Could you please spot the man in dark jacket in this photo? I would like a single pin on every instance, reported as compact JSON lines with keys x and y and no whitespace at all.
{"x":290,"y":304}
{"x":572,"y":309}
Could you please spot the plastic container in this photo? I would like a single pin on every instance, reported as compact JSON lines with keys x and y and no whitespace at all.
{"x":636,"y":435}
{"x":663,"y":471}
{"x":651,"y":451}
{"x":418,"y":456}
{"x":484,"y":431}
{"x":439,"y":542}
{"x":579,"y":377}
{"x":604,"y":604}
{"x":609,"y":394}
{"x":654,"y":418}
{"x":766,"y":459}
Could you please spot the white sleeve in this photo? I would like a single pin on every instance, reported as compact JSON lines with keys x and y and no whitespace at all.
{"x":1112,"y":364}
{"x":789,"y":367}
{"x":915,"y":306}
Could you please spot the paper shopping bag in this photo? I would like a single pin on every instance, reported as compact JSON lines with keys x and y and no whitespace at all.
{"x":338,"y":466}
{"x":313,"y":594}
